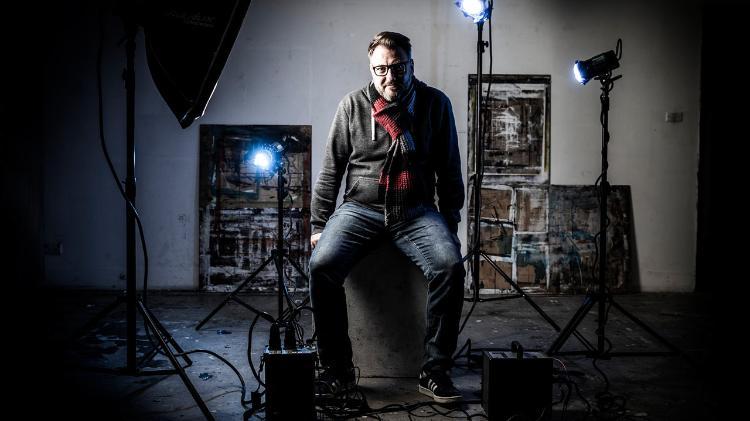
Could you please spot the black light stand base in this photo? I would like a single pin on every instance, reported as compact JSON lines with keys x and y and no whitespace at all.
{"x":593,"y":352}
{"x":232,"y":296}
{"x":520,"y":293}
{"x":165,"y":339}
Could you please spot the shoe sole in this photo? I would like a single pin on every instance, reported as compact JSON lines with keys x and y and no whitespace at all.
{"x":438,"y":399}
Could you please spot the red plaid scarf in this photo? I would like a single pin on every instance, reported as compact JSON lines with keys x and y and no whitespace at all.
{"x":397,"y":177}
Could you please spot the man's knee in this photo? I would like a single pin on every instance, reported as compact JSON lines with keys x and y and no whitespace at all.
{"x":317,"y":266}
{"x":323,"y":268}
{"x":450,"y":269}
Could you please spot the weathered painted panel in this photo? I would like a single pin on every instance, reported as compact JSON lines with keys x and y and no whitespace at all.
{"x":238,"y":206}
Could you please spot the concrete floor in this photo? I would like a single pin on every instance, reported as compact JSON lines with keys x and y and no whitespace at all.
{"x":58,"y":376}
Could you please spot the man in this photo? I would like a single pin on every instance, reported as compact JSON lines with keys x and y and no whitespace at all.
{"x":397,"y":139}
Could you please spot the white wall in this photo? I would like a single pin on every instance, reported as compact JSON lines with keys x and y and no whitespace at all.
{"x":294,"y":60}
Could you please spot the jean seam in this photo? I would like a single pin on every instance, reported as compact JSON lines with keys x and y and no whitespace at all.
{"x":428,"y":273}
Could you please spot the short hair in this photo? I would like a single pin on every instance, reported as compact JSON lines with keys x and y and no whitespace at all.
{"x":390,"y":40}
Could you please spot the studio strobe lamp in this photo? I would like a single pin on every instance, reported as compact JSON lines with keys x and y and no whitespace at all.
{"x":268,"y":157}
{"x":477,"y":10}
{"x":599,"y":66}
{"x":263,"y":159}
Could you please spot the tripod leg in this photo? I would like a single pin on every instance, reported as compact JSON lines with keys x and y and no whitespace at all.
{"x":301,"y":272}
{"x":570,"y":327}
{"x":156,"y":327}
{"x":168,"y":336}
{"x":521,"y":292}
{"x":474,"y":277}
{"x":231,"y":295}
{"x":290,"y":310}
{"x":148,"y":357}
{"x":644,"y":326}
{"x":296,"y":266}
{"x":468,"y":255}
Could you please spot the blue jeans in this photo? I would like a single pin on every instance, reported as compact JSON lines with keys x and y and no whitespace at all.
{"x":350,"y":233}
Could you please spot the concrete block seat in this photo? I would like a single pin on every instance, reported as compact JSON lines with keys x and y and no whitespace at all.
{"x":386,"y":301}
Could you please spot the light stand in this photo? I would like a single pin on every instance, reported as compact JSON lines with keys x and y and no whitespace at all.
{"x":134,"y":303}
{"x":475,"y":251}
{"x":166,"y":35}
{"x":602,"y":296}
{"x":277,"y":256}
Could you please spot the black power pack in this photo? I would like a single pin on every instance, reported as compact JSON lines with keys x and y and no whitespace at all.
{"x":290,"y":387}
{"x":515,"y":383}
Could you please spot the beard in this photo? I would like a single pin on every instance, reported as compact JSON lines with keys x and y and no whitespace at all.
{"x":392,"y":91}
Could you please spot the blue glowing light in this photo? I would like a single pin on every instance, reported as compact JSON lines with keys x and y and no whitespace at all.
{"x":577,"y":72}
{"x":263,"y":159}
{"x":478,"y":10}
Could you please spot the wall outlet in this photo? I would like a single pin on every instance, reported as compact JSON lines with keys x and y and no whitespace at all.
{"x":674,"y":117}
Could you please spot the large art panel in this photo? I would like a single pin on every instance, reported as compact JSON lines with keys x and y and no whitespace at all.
{"x":573,"y":241}
{"x":516,"y":128}
{"x":238,"y":209}
{"x":514,"y":169}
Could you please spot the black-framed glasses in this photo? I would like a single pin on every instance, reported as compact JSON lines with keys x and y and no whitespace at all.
{"x":397,"y":68}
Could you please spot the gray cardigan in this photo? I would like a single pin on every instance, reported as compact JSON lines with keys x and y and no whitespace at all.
{"x":358,"y":144}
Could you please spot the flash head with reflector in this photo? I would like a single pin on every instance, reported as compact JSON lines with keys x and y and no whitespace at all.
{"x":598,"y":67}
{"x":477,"y":10}
{"x":595,"y":67}
{"x":268,"y":156}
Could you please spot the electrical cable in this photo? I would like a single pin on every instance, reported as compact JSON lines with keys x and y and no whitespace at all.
{"x":225,"y":361}
{"x":115,"y":176}
{"x":249,"y":352}
{"x":103,"y":144}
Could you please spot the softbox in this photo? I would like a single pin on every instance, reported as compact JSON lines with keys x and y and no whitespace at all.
{"x":187,"y":44}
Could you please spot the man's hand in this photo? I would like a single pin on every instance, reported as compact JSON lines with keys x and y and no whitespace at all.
{"x":314,"y":239}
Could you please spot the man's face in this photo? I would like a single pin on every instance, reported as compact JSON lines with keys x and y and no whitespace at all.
{"x":397,"y":79}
